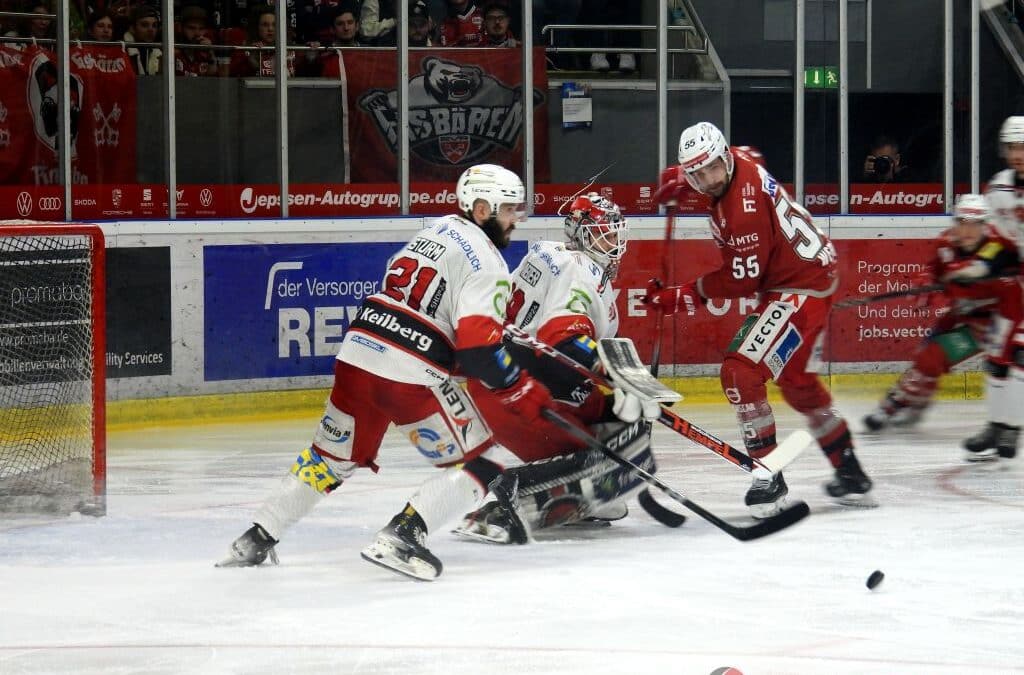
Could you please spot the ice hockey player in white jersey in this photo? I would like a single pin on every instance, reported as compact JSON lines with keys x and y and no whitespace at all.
{"x":1005,"y":192}
{"x":562,"y":294}
{"x":438,"y":311}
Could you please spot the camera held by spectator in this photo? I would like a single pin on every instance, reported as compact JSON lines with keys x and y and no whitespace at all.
{"x":884,"y":164}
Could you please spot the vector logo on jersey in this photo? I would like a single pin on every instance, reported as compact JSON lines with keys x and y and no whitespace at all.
{"x":458,"y":113}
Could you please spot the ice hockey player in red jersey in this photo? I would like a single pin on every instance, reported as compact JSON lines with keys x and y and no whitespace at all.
{"x":438,"y":311}
{"x":977,"y":263}
{"x":562,"y":295}
{"x":770,"y":246}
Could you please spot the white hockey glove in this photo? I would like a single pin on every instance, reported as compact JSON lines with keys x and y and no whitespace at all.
{"x":630,"y":407}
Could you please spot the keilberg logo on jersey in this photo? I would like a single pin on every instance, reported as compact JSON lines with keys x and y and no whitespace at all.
{"x":457,"y":113}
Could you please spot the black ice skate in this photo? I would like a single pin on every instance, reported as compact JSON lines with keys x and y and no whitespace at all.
{"x":850,"y":485}
{"x":251,"y":549}
{"x":994,"y":441}
{"x":767,"y":496}
{"x":505,"y":489}
{"x":399,"y":547}
{"x":490,"y":524}
{"x":892,"y":413}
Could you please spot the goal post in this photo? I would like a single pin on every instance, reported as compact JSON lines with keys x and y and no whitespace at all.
{"x":52,"y":374}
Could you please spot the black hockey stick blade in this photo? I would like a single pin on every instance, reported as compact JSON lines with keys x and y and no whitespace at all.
{"x":666,"y":517}
{"x":771,"y":525}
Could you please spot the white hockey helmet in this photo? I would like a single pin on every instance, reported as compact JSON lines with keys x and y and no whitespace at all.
{"x":972,"y":207}
{"x":595,"y":226}
{"x":1012,"y":130}
{"x":699,"y":146}
{"x":494,"y":184}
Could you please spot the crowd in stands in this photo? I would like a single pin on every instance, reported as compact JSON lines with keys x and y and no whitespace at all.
{"x":208,"y":33}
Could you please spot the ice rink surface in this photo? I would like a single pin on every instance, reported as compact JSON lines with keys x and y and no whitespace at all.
{"x":136,"y":591}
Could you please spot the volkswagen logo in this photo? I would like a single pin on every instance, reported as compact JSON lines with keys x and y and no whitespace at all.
{"x":205,"y":197}
{"x":24,"y":204}
{"x":49,"y":203}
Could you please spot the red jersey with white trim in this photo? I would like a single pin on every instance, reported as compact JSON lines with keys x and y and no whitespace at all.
{"x":767,"y":241}
{"x":464,"y":30}
{"x":996,"y":256}
{"x":557,"y":293}
{"x":1005,"y":195}
{"x":442,"y":292}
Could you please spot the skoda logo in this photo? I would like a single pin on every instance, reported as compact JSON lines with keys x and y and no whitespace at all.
{"x":205,"y":197}
{"x":24,"y":204}
{"x":49,"y":203}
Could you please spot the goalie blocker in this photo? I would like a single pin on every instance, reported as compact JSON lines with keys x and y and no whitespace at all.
{"x":568,"y":488}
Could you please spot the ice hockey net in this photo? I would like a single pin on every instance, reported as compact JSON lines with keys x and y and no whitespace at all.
{"x":52,"y":394}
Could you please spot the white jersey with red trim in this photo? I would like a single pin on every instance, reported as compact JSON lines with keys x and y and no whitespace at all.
{"x":1005,"y":194}
{"x":558,"y":293}
{"x":444,"y":290}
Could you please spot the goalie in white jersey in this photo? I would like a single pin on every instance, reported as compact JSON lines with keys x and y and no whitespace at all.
{"x":562,"y":294}
{"x":439,"y":311}
{"x":1005,"y":191}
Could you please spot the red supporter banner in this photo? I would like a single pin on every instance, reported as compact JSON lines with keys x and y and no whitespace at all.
{"x":884,"y":331}
{"x":465,"y":108}
{"x":103,"y":113}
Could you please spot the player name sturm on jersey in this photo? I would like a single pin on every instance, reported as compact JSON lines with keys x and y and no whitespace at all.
{"x":431,"y":250}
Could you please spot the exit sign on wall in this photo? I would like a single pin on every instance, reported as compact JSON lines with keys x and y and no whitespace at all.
{"x":821,"y":77}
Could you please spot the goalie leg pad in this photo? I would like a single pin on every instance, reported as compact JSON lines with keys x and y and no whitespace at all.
{"x":568,"y":488}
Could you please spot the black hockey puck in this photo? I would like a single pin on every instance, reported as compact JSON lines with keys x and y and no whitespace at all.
{"x":875,"y":579}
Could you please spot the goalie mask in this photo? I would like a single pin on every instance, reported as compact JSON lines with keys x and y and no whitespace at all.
{"x":699,"y":147}
{"x":595,"y":226}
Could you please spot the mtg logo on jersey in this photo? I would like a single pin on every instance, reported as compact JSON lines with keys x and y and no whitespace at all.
{"x":457,"y":113}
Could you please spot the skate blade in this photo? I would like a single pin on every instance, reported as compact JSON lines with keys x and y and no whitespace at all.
{"x":857,"y":501}
{"x":769,"y":509}
{"x":982,"y":457}
{"x":232,"y":561}
{"x":386,"y":557}
{"x":485,"y":535}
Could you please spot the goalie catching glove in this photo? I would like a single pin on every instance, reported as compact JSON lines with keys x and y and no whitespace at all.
{"x":630,"y":407}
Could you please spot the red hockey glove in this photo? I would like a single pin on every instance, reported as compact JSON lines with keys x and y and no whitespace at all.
{"x":673,"y":298}
{"x":672,"y":186}
{"x":960,"y":271}
{"x":527,"y":397}
{"x":924,"y":278}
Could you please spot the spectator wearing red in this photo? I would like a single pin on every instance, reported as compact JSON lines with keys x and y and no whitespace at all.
{"x":463,"y":27}
{"x":189,"y":61}
{"x":496,"y":26}
{"x":259,"y":62}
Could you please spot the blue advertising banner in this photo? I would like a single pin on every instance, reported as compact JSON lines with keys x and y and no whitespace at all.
{"x":280,"y":310}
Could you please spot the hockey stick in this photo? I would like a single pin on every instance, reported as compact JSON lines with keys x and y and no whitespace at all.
{"x":779,"y":521}
{"x":784,"y":453}
{"x":645,"y":499}
{"x":659,"y":320}
{"x":919,"y":290}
